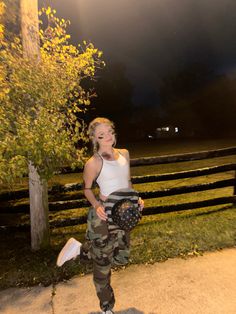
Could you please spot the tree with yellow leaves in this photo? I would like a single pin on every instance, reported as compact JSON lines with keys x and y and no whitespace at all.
{"x":40,"y":102}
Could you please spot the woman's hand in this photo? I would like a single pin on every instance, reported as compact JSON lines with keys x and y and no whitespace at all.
{"x":140,"y":203}
{"x":100,"y":210}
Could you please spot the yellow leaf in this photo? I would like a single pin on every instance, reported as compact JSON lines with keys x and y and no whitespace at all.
{"x":48,"y":11}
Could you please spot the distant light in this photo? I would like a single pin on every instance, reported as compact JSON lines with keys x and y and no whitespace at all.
{"x":176,"y":130}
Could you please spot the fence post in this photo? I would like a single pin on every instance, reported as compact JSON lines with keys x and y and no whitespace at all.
{"x":235,"y":183}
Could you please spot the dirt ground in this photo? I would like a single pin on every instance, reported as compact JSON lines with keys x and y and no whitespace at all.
{"x":198,"y":285}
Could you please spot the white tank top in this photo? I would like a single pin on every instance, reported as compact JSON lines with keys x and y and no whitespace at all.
{"x":114,"y":175}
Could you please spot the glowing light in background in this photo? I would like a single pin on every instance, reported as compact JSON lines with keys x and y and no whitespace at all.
{"x":153,"y":37}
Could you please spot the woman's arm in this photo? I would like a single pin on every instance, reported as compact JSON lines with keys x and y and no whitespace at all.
{"x":125,"y":153}
{"x":140,"y":201}
{"x":91,"y":169}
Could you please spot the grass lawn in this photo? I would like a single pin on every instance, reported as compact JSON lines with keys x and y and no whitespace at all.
{"x":156,"y":238}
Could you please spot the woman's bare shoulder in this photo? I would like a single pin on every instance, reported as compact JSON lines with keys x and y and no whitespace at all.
{"x":124,"y":152}
{"x":93,"y":162}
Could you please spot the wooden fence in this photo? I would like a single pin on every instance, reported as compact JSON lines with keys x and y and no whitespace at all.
{"x":81,"y":202}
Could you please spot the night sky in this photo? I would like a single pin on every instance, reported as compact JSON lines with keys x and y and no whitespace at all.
{"x":155,"y":37}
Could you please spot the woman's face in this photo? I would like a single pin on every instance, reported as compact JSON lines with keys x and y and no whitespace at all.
{"x":104,"y":135}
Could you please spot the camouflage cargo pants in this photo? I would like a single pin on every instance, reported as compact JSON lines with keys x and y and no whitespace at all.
{"x":105,"y":249}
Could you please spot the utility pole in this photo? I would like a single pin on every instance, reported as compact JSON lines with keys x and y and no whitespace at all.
{"x":38,"y":190}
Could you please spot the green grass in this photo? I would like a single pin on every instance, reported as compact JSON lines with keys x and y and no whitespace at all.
{"x":183,"y":234}
{"x":156,"y":238}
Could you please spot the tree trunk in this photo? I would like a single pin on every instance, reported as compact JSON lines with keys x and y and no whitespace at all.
{"x":37,"y":187}
{"x":38,"y":191}
{"x":30,"y":28}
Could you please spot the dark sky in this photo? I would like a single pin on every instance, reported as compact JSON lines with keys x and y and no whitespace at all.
{"x":155,"y":37}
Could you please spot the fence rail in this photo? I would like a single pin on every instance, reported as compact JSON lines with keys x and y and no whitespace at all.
{"x":81,"y":202}
{"x":183,"y":157}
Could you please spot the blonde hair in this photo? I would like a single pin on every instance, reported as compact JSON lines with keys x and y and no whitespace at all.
{"x":91,"y":130}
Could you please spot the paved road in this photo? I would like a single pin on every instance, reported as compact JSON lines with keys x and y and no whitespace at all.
{"x":199,"y":285}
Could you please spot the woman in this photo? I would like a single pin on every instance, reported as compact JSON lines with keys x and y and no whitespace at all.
{"x":105,"y":245}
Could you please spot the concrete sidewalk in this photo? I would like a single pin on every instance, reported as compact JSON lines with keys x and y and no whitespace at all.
{"x":200,"y":285}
